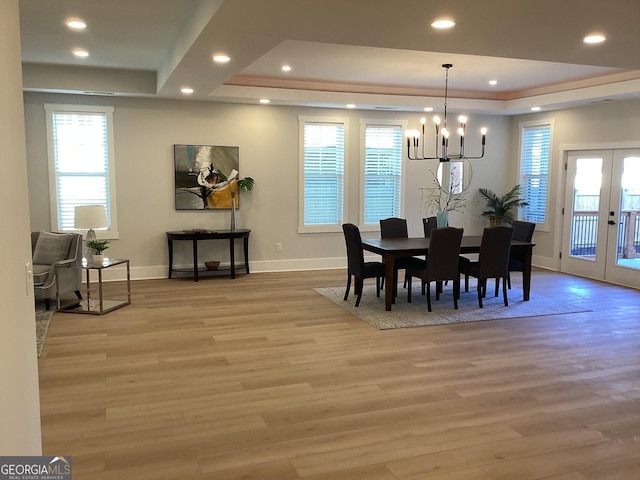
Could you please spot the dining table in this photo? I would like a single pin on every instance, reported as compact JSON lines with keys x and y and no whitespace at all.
{"x":392,"y":249}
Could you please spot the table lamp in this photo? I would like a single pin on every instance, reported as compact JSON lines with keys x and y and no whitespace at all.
{"x":88,"y":217}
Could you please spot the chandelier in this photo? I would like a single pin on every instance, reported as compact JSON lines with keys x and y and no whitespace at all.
{"x":415,"y":151}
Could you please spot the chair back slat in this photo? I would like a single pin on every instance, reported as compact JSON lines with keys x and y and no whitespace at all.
{"x":494,"y":252}
{"x":355,"y":253}
{"x":429,"y":224}
{"x":523,"y":231}
{"x":393,"y":227}
{"x":444,"y":250}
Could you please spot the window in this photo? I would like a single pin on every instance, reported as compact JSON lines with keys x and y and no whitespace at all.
{"x":382,"y":196}
{"x":535,"y":159}
{"x":322,"y":175}
{"x":80,"y":163}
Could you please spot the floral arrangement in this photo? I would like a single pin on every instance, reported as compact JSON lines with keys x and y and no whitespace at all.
{"x":435,"y":199}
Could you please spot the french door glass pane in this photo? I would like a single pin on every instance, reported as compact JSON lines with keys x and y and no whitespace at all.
{"x":586,"y":203}
{"x":628,"y":248}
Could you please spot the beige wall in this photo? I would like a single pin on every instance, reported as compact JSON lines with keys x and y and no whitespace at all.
{"x":19,"y":401}
{"x":145,"y":131}
{"x":600,"y":126}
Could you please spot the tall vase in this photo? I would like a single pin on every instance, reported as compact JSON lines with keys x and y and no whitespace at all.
{"x":442,"y":218}
{"x":233,"y":227}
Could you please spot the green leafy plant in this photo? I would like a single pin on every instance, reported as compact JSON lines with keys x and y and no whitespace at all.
{"x":98,"y":246}
{"x":502,"y":207}
{"x":246,"y":184}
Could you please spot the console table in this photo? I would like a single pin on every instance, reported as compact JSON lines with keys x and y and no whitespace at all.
{"x":197,"y":235}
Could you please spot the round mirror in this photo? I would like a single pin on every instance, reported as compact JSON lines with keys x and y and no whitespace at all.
{"x":454,"y":176}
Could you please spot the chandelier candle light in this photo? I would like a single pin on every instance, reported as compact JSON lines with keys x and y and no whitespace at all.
{"x":442,"y":134}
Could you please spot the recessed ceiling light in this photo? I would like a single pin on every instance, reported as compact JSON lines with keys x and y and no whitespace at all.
{"x":221,"y":58}
{"x":286,"y":68}
{"x":594,"y":38}
{"x":76,"y":24}
{"x":536,"y":109}
{"x":351,"y":105}
{"x":493,"y":82}
{"x":81,"y":53}
{"x":428,"y":109}
{"x":265,"y":101}
{"x":443,"y":23}
{"x":187,"y":90}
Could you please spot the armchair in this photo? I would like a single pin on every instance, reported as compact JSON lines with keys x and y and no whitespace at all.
{"x":57,"y":258}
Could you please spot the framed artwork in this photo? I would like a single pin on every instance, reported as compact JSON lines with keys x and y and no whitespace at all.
{"x":206,"y":176}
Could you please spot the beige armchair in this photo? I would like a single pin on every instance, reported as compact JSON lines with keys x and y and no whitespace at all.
{"x":56,"y":255}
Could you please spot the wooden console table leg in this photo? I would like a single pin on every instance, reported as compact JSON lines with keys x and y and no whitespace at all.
{"x":246,"y":252}
{"x":232,"y":254}
{"x":195,"y":260}
{"x":170,"y":257}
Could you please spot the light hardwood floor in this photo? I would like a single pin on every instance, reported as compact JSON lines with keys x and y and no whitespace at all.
{"x":262,"y":378}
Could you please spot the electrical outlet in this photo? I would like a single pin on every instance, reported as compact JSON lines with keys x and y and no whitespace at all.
{"x":278,"y":247}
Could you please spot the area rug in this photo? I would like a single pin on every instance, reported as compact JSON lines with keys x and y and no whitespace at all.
{"x":43,"y":319}
{"x":415,"y":314}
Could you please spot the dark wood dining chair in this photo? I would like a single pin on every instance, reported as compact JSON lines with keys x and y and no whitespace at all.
{"x":493,"y":262}
{"x":522,"y":231}
{"x":442,"y":263}
{"x":356,"y":266}
{"x":394,"y":227}
{"x":429,"y":224}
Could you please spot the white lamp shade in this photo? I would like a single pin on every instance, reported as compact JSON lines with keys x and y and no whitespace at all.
{"x":90,"y":217}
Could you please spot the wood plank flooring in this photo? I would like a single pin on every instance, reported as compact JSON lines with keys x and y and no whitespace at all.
{"x":262,"y":378}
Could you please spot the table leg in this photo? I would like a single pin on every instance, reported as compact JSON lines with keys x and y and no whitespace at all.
{"x":389,"y":274}
{"x":246,"y":252}
{"x":100,"y":291}
{"x":195,"y":260}
{"x":526,"y":274}
{"x":88,"y":289}
{"x":128,"y":283}
{"x":170,"y":257}
{"x":232,"y":254}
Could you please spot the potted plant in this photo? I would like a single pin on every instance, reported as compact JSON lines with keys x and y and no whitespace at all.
{"x":500,"y":209}
{"x":97,"y":248}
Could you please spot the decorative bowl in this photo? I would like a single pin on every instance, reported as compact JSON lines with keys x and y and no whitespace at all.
{"x":212,"y":265}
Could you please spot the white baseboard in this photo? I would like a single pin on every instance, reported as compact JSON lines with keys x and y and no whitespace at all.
{"x":161,"y":271}
{"x":547,"y":263}
{"x":291,"y":265}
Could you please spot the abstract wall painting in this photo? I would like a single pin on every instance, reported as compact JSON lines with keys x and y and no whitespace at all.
{"x":205,"y":176}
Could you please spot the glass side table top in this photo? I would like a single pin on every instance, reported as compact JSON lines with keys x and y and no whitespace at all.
{"x":106,"y":263}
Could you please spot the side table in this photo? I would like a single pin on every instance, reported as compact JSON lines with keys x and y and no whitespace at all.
{"x":100,"y":305}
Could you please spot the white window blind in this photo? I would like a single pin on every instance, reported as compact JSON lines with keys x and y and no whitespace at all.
{"x":535,"y":157}
{"x":382,"y":172}
{"x":80,"y":151}
{"x":323,"y":173}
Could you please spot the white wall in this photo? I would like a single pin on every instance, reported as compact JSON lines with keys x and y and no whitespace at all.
{"x":19,"y":401}
{"x":145,"y":131}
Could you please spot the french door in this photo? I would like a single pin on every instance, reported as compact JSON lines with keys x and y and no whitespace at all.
{"x":601,"y":234}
